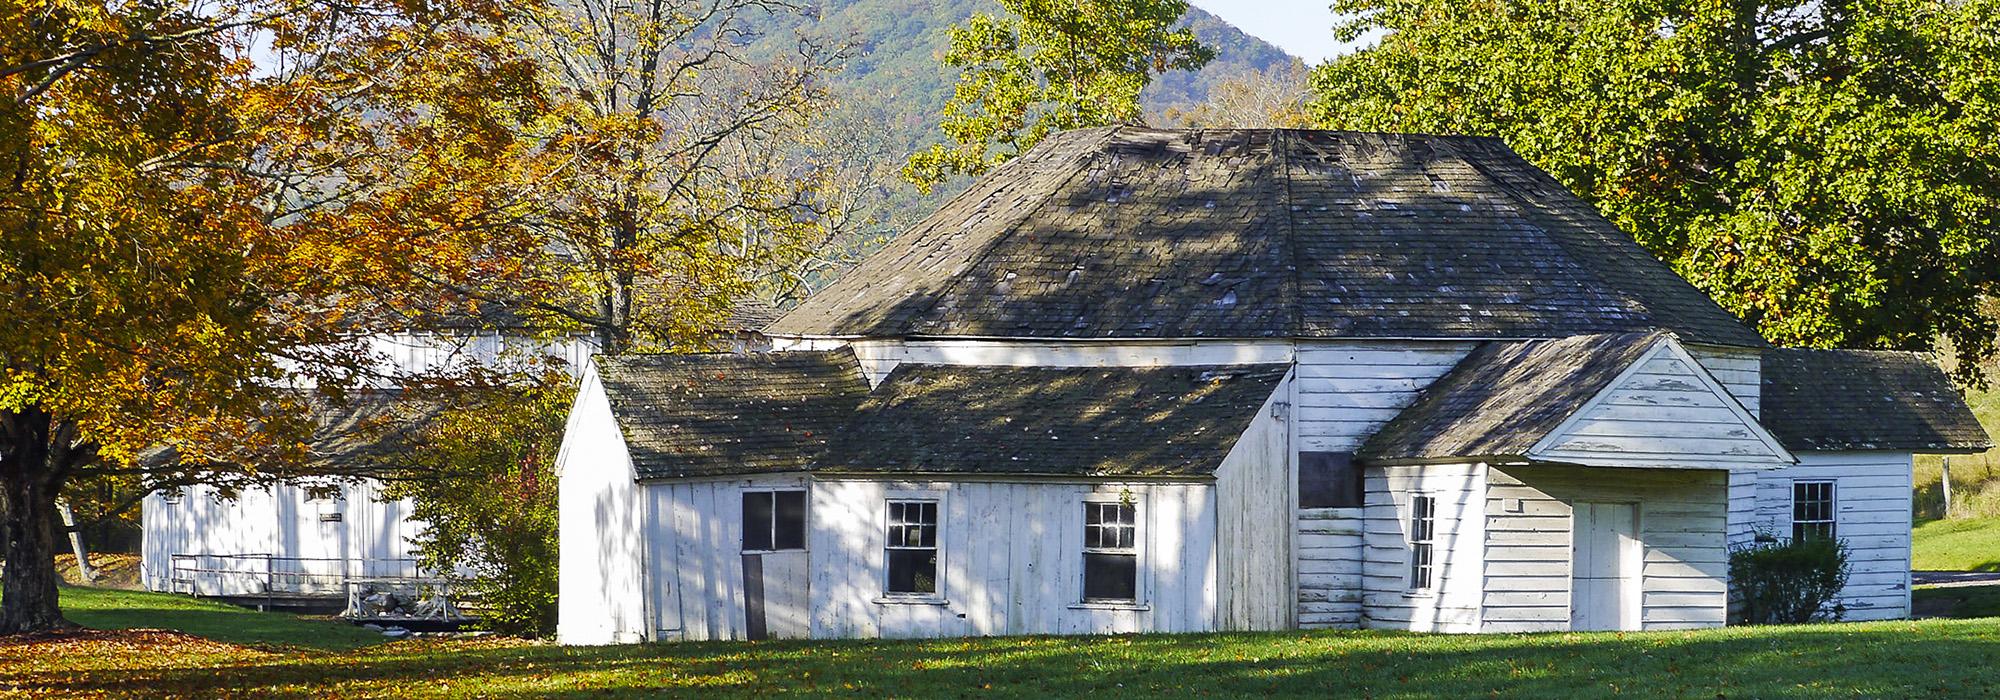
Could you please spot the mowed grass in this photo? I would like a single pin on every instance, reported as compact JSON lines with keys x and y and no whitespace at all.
{"x":1957,"y":601}
{"x":108,"y":609}
{"x":1956,"y":545}
{"x":1931,"y":658}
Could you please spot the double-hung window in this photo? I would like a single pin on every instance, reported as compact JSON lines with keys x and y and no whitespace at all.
{"x":1813,"y":512}
{"x":1110,"y":552}
{"x":774,"y":520}
{"x":912,"y":547}
{"x":1423,"y":527}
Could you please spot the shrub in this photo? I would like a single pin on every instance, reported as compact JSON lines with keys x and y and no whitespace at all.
{"x":485,"y":483}
{"x":1788,"y":581}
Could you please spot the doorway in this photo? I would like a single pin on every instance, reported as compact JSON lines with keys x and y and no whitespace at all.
{"x":1605,"y":557}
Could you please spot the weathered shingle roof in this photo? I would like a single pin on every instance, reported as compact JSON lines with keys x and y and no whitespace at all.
{"x":706,"y":415}
{"x":713,"y":415}
{"x":1132,"y":232}
{"x":1124,"y":421}
{"x":1865,"y":400}
{"x":1505,"y":396}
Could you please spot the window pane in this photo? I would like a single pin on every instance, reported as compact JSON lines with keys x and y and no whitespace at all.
{"x":1111,"y":577}
{"x":912,"y":571}
{"x":756,"y":521}
{"x":790,"y":531}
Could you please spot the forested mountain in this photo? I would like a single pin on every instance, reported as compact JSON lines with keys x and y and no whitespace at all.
{"x":894,"y":85}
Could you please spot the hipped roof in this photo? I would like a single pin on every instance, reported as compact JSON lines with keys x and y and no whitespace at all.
{"x":1865,"y":400}
{"x":1129,"y":232}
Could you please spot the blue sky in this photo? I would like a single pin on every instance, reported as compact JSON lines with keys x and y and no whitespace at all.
{"x":1303,"y":28}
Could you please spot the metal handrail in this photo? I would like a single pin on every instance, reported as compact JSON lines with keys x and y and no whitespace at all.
{"x":252,"y":574}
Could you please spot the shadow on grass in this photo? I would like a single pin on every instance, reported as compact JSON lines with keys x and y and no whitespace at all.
{"x":117,"y":609}
{"x":1937,"y":658}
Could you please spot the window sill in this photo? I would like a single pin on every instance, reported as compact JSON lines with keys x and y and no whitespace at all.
{"x":911,"y":600}
{"x":1108,"y":605}
{"x":1424,"y":594}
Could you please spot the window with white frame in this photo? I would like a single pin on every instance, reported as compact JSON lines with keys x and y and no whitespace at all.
{"x":912,"y":547}
{"x":1813,"y":510}
{"x":1110,"y":552}
{"x":774,"y":520}
{"x":1423,"y":527}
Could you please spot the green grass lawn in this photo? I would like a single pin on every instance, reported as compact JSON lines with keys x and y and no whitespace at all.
{"x":1930,"y":658}
{"x":103,"y":608}
{"x":1956,"y":545}
{"x":1957,"y":601}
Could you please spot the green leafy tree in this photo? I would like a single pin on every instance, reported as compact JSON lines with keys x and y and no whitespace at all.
{"x":1829,"y":171}
{"x":487,"y":490}
{"x":1047,"y":66}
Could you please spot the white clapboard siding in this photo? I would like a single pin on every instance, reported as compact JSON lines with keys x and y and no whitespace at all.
{"x":1681,"y":514}
{"x":1453,"y":602}
{"x":1739,"y":369}
{"x":1330,"y":558}
{"x":1346,"y":390}
{"x":1872,"y":502}
{"x":1010,"y":561}
{"x":352,"y":534}
{"x":1665,"y":411}
{"x":879,"y":357}
{"x":600,"y":594}
{"x":1253,"y":500}
{"x":428,"y":352}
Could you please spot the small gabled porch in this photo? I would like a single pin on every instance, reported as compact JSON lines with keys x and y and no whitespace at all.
{"x":1571,"y":484}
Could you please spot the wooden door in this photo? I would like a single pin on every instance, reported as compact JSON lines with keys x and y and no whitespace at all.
{"x":1605,"y":556}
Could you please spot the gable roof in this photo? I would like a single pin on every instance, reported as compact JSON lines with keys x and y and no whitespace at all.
{"x":1865,"y":400}
{"x":1129,"y":232}
{"x":717,"y":414}
{"x":1506,"y":396}
{"x":1124,"y":421}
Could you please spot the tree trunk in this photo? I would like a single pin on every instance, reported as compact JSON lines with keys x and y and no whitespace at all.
{"x":28,"y":484}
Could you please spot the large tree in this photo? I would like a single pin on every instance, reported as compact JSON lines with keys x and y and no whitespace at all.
{"x":1046,"y":66}
{"x":197,"y":200}
{"x":1829,"y":171}
{"x":674,"y":166}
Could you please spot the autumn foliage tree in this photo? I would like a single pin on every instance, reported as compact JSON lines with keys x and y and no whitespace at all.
{"x":1828,"y":171}
{"x":198,"y":202}
{"x":1049,"y":65}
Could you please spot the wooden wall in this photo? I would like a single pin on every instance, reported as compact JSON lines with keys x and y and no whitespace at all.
{"x":1346,"y":390}
{"x":600,"y":597}
{"x":1254,"y":526}
{"x":1872,"y":502}
{"x":1666,"y":413}
{"x":1010,"y":560}
{"x":1329,"y":569}
{"x":1684,"y":580}
{"x":1459,"y":552}
{"x":371,"y":537}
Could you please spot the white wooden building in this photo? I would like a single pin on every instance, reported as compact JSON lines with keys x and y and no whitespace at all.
{"x":305,"y":538}
{"x":1140,"y":380}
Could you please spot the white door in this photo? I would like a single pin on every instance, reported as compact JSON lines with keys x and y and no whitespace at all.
{"x":1605,"y":554}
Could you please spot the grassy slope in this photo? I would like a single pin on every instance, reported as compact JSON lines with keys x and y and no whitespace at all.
{"x":101,"y":608}
{"x":1957,"y":545}
{"x":1937,"y":658}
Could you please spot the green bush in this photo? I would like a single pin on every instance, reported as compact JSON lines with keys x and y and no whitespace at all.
{"x":485,"y":482}
{"x":1788,"y":581}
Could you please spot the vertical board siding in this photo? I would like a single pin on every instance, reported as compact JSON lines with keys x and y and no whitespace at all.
{"x":1872,"y":493}
{"x":1347,"y":390}
{"x":1253,"y":494}
{"x":372,"y":537}
{"x":1329,"y":570}
{"x":1684,"y":574}
{"x":1010,"y":559}
{"x":1453,"y":603}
